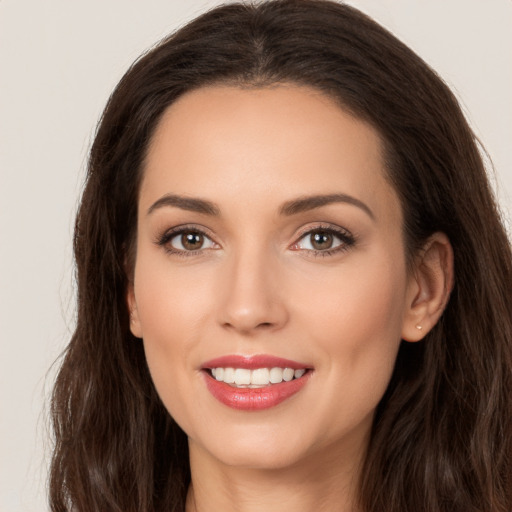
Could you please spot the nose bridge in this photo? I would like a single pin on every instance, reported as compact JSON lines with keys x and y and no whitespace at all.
{"x":251,"y":297}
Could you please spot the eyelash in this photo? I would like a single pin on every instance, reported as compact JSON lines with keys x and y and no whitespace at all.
{"x":345,"y":237}
{"x":166,"y":237}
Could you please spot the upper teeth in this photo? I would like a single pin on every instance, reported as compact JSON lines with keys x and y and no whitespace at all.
{"x":257,"y":377}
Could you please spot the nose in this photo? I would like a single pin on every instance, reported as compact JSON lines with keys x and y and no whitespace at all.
{"x":252,"y":298}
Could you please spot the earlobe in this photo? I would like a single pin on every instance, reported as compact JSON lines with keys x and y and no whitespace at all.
{"x":135,"y":326}
{"x":430,"y":287}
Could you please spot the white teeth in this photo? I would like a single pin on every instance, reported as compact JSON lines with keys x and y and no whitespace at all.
{"x":259,"y":377}
{"x":288,"y":374}
{"x":242,"y":376}
{"x":229,"y":375}
{"x":276,"y":375}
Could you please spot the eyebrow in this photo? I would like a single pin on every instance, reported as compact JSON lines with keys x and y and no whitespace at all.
{"x":293,"y":207}
{"x":186,"y":203}
{"x":306,"y":203}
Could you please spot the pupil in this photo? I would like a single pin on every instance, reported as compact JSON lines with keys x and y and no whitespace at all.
{"x":192,"y":240}
{"x":322,"y":240}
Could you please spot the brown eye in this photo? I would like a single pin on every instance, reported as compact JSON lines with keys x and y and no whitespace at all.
{"x":324,"y":241}
{"x":321,"y":240}
{"x":192,"y":241}
{"x":187,"y":241}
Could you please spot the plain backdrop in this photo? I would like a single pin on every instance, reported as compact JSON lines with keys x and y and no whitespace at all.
{"x":59,"y":61}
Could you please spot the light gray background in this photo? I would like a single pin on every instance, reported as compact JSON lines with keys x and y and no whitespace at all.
{"x":59,"y":60}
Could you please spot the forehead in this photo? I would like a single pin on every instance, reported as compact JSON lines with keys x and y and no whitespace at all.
{"x":225,"y":142}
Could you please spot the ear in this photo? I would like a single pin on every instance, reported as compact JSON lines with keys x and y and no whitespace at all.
{"x":135,"y":326}
{"x":429,"y":288}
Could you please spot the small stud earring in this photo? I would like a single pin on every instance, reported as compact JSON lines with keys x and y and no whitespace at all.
{"x":419,"y":327}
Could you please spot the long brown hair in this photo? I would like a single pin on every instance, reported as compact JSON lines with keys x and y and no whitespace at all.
{"x":441,"y":438}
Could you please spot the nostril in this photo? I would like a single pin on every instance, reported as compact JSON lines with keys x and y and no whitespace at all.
{"x":247,"y":316}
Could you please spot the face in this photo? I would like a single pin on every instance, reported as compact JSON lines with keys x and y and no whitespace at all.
{"x":269,"y":252}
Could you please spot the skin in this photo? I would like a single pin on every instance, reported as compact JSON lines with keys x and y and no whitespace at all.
{"x":257,"y":287}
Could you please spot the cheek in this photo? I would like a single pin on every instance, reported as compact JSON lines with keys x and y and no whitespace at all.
{"x":172,"y":303}
{"x":173,"y":307}
{"x":356,"y":325}
{"x":354,"y":300}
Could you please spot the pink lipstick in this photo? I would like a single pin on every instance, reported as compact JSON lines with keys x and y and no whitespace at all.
{"x":256,"y":382}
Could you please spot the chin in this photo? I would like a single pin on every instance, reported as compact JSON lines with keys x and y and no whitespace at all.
{"x":275,"y":458}
{"x":256,"y":449}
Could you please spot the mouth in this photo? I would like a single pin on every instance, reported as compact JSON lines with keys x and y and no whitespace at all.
{"x":255,"y":382}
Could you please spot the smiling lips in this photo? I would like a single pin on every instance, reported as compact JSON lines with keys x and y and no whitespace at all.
{"x":254,"y":383}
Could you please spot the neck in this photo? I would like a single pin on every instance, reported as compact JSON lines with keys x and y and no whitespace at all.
{"x":326,"y":482}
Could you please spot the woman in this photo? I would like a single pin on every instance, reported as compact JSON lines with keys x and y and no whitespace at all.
{"x":293,"y":283}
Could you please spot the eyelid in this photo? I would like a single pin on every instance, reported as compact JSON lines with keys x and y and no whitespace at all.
{"x":346,"y":238}
{"x":164,"y":238}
